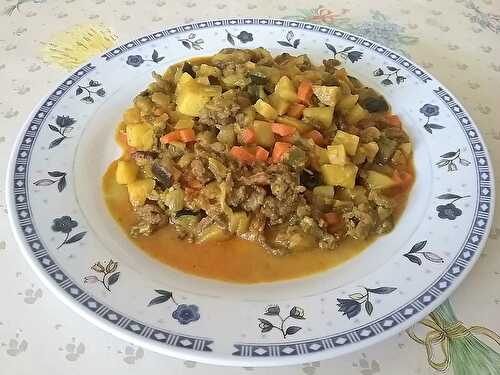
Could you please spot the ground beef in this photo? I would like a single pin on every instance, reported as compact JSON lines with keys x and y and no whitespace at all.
{"x":359,"y":222}
{"x":220,"y":110}
{"x":259,"y":178}
{"x":255,"y":199}
{"x":330,"y":65}
{"x":200,"y":172}
{"x":150,"y":216}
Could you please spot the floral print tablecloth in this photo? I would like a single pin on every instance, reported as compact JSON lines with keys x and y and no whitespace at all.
{"x":456,"y":40}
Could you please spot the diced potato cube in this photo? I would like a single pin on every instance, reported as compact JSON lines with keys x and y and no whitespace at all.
{"x":139,"y":190}
{"x":250,"y":65}
{"x":132,"y":116}
{"x":301,"y":126}
{"x":184,"y":79}
{"x":213,"y":233}
{"x":328,"y":95}
{"x":337,"y":154}
{"x":227,"y":135}
{"x":265,"y":109}
{"x":264,"y":135}
{"x":347,"y":103}
{"x":356,"y":114}
{"x":279,"y":104}
{"x":185,"y":122}
{"x":126,"y":171}
{"x":324,"y":191}
{"x":321,"y":155}
{"x":235,"y":80}
{"x":406,"y":148}
{"x":377,"y":180}
{"x":203,"y":80}
{"x":286,"y":90}
{"x":140,"y":136}
{"x":191,"y":96}
{"x":339,"y":175}
{"x":371,"y":150}
{"x":207,"y":70}
{"x":239,"y":223}
{"x":350,"y":141}
{"x":323,"y":115}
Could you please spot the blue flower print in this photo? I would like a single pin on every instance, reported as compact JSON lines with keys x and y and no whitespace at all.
{"x":135,"y":60}
{"x":186,"y":313}
{"x":448,"y":211}
{"x":429,"y":110}
{"x":243,"y":37}
{"x":349,"y":307}
{"x":65,"y":224}
{"x":183,"y":313}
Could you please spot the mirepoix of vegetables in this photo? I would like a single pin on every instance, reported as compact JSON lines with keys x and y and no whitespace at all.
{"x":271,"y":149}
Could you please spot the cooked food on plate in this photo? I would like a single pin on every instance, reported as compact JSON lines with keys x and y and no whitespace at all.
{"x":242,"y":146}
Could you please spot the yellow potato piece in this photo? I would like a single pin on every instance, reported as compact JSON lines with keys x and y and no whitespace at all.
{"x":265,"y":109}
{"x":140,"y":136}
{"x":350,"y":141}
{"x":337,"y":154}
{"x":339,"y":175}
{"x":139,"y":190}
{"x":377,"y":180}
{"x":126,"y":171}
{"x":286,"y":90}
{"x":323,"y":115}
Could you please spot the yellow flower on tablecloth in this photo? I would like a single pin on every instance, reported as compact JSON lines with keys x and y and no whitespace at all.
{"x":71,"y":48}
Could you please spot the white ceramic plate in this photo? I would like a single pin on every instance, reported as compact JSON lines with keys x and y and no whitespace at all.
{"x":62,"y":224}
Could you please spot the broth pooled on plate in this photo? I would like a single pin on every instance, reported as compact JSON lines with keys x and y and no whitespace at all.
{"x":247,"y":168}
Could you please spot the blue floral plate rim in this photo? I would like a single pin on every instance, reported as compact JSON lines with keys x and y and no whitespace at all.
{"x":258,"y":353}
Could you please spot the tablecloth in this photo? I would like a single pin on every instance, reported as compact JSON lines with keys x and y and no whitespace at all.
{"x":458,"y":41}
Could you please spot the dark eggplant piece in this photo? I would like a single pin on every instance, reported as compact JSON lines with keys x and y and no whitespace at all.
{"x":186,"y":211}
{"x":371,"y":100}
{"x":188,"y":68}
{"x":356,"y":82}
{"x":309,"y":179}
{"x":162,"y":174}
{"x":255,"y":92}
{"x":213,"y":80}
{"x":387,"y":147}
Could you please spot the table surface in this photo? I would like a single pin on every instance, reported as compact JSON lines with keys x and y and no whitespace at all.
{"x":457,"y":41}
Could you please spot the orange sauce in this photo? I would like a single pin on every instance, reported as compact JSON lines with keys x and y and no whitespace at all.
{"x":234,"y":260}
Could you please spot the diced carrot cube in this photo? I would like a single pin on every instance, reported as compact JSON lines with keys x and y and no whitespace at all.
{"x":261,"y":153}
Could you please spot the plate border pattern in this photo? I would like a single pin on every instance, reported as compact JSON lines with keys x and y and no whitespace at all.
{"x":405,"y":63}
